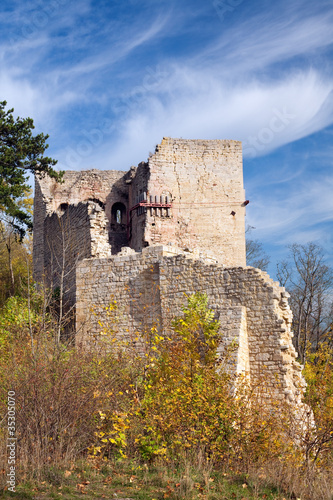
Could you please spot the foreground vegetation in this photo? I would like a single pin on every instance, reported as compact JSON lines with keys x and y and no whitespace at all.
{"x":130,"y":479}
{"x":169,"y":422}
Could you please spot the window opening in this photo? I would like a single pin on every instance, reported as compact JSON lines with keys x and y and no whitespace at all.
{"x":118,"y":216}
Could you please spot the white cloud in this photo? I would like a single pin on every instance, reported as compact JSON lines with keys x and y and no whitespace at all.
{"x":297,"y":214}
{"x":192,"y":105}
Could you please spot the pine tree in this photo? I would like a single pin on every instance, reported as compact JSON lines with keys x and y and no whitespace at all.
{"x":21,"y":153}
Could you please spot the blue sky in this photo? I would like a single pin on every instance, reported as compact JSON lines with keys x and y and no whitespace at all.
{"x":108,"y":79}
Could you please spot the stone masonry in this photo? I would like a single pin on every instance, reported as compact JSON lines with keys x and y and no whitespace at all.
{"x":149,"y":237}
{"x":150,"y":288}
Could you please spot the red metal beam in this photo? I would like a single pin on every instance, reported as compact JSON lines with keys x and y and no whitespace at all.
{"x":151,"y":205}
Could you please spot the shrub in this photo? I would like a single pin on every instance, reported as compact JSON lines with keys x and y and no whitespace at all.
{"x":187,"y":403}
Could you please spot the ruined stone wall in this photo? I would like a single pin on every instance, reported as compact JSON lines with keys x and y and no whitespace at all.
{"x":204,"y":180}
{"x":235,"y":344}
{"x":268,"y":317}
{"x":174,"y":252}
{"x":118,"y":197}
{"x":151,"y":287}
{"x":132,"y":280}
{"x":83,"y":186}
{"x":40,"y":211}
{"x":75,"y":233}
{"x":106,"y":187}
{"x":138,"y":218}
{"x":66,"y":241}
{"x":98,"y":226}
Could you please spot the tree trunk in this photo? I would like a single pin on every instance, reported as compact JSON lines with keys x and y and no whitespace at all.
{"x":11,"y":272}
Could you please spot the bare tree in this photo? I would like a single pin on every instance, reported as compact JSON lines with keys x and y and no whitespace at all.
{"x":62,"y":259}
{"x":255,"y":253}
{"x":310,"y":283}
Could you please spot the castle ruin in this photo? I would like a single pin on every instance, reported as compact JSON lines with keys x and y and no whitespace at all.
{"x":145,"y":238}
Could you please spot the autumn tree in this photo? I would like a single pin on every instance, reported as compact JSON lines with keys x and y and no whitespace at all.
{"x":187,"y":403}
{"x":309,"y":280}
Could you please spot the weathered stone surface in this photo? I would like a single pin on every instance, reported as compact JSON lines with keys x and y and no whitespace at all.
{"x":202,"y":180}
{"x":97,"y":230}
{"x":150,"y":287}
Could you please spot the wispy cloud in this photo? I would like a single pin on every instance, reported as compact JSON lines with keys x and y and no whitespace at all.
{"x":291,"y":214}
{"x":37,"y":71}
{"x":258,"y":42}
{"x":109,"y":79}
{"x":235,"y":88}
{"x":189,"y":104}
{"x":110,"y":55}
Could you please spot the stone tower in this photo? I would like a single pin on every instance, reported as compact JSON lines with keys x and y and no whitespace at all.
{"x":172,"y":226}
{"x":188,"y":194}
